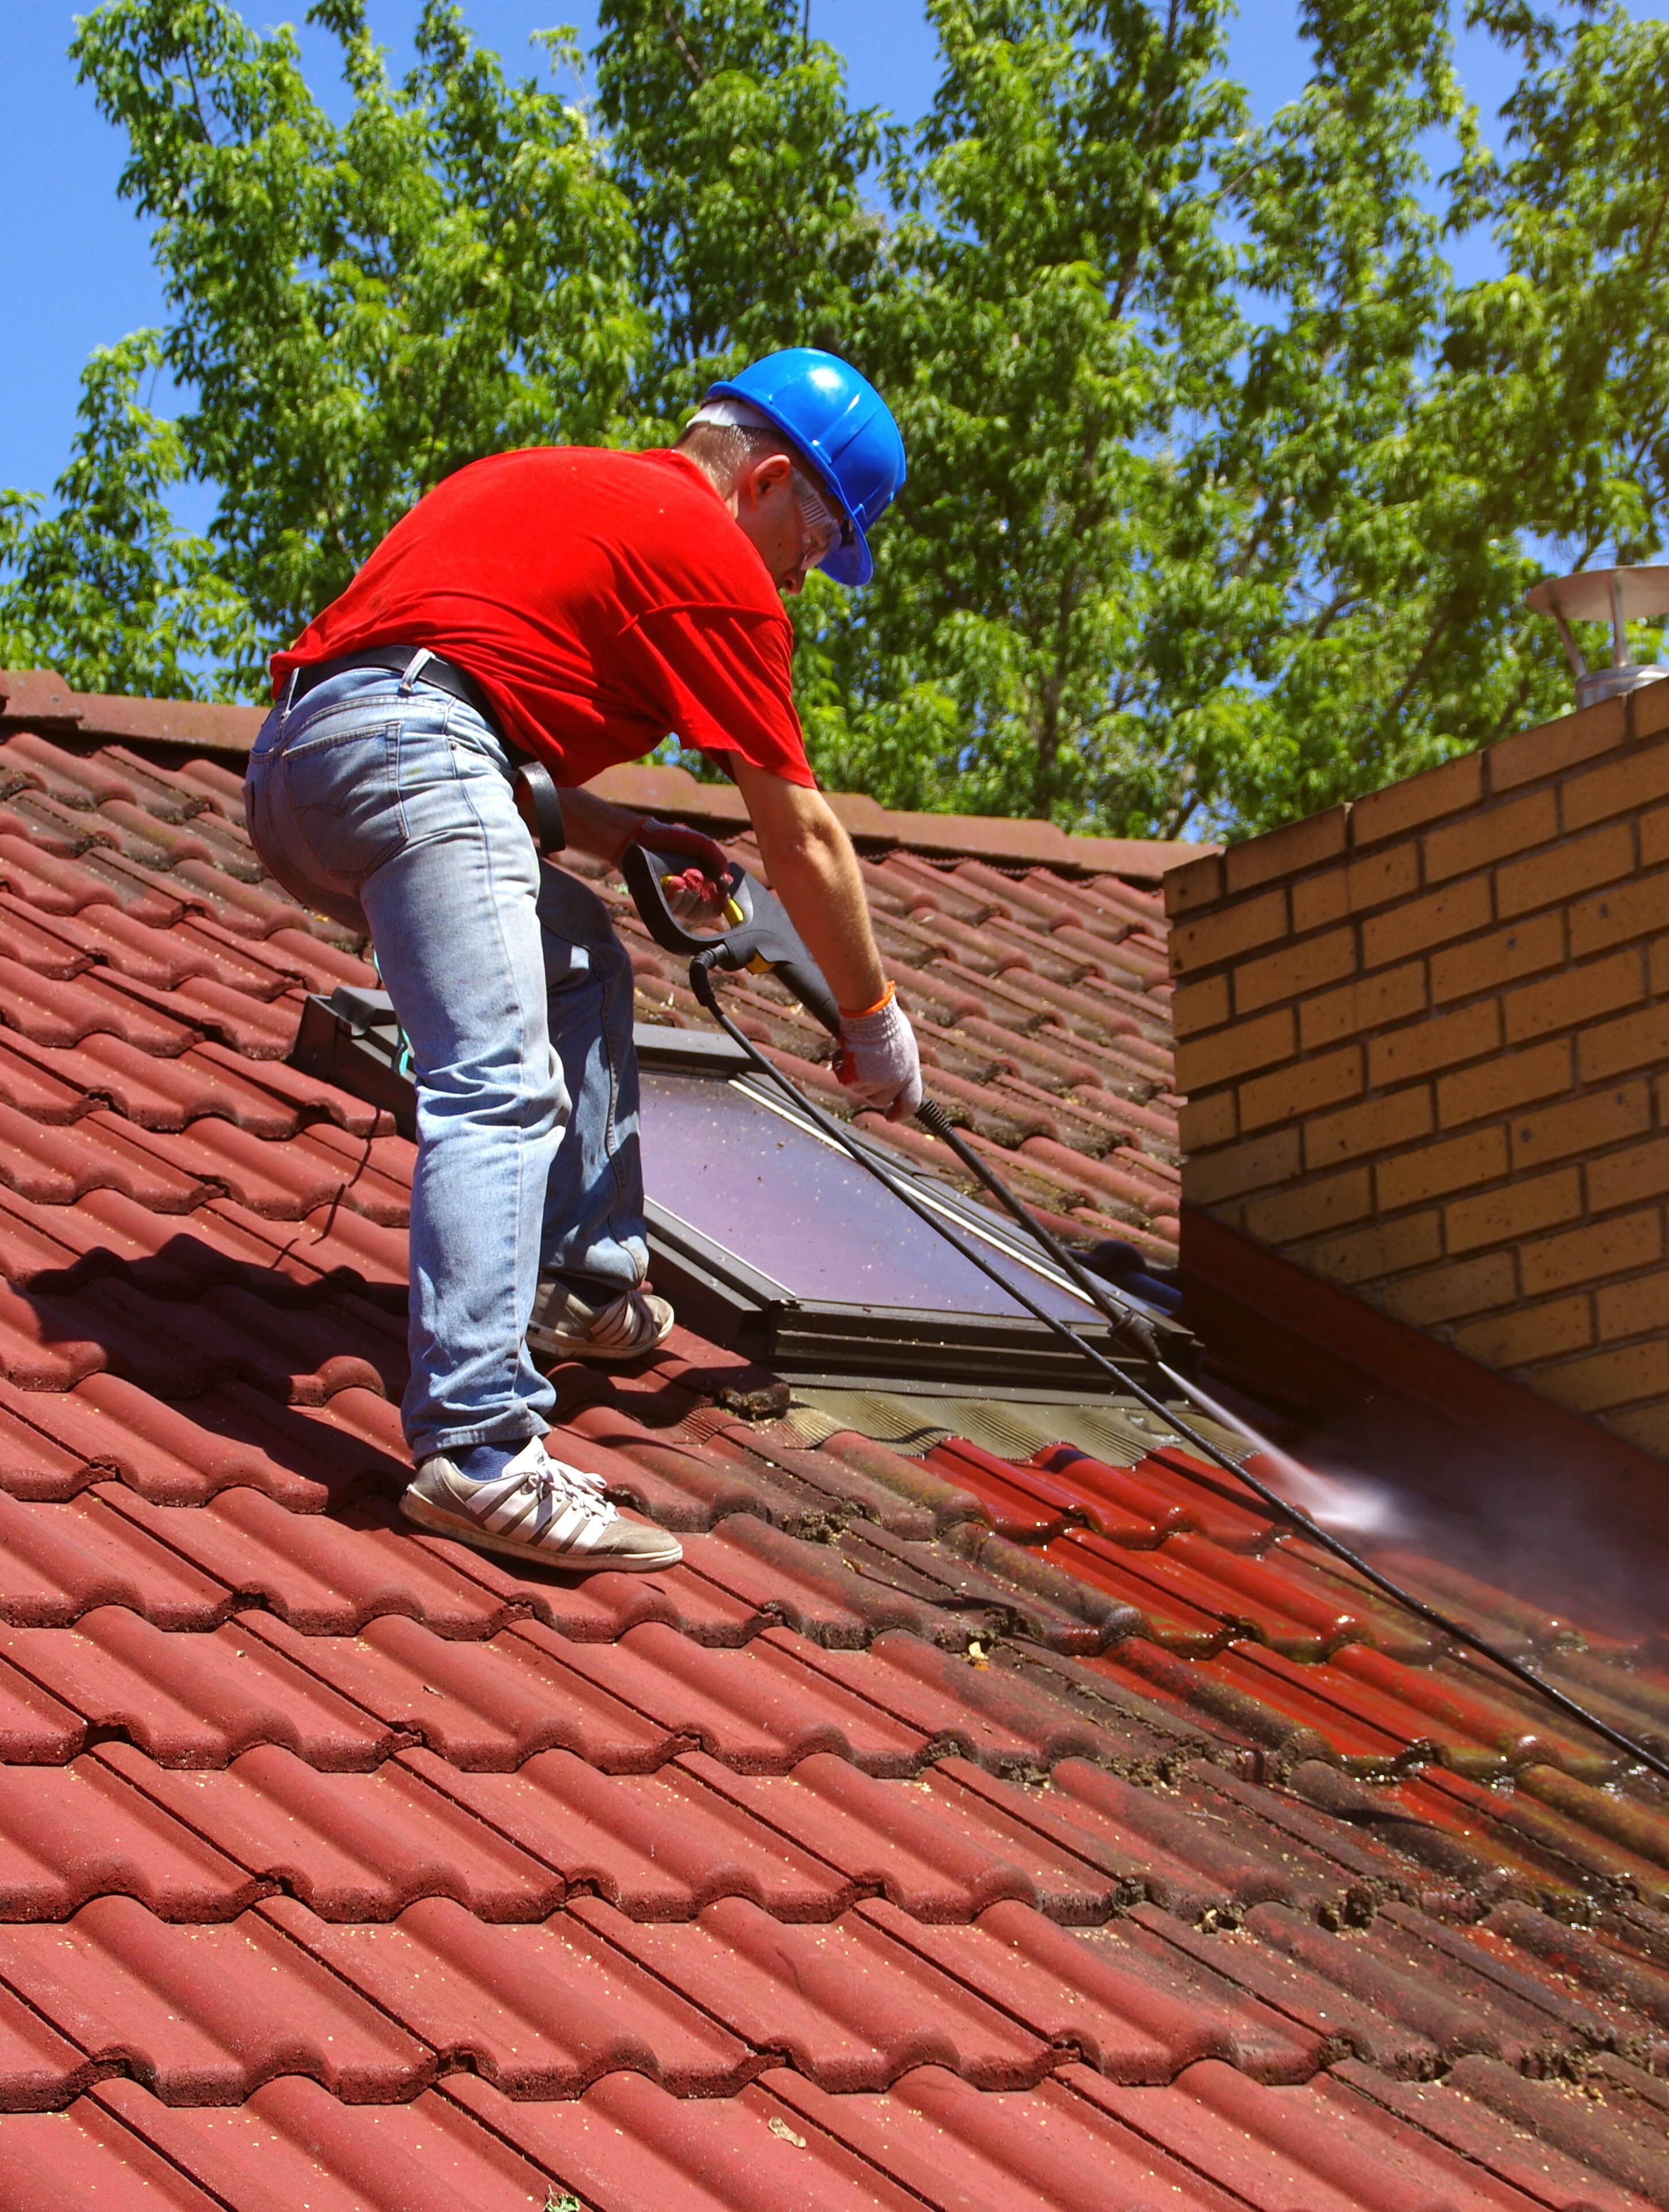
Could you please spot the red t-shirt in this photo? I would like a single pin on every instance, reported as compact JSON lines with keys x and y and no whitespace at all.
{"x":601,"y":599}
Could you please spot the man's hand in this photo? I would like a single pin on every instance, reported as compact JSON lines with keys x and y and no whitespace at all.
{"x":878,"y":1062}
{"x":598,"y":827}
{"x":706,"y":882}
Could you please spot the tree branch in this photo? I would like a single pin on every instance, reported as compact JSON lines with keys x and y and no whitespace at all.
{"x":699,"y":75}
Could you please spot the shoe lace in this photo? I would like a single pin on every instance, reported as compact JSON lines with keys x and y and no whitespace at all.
{"x":577,"y":1484}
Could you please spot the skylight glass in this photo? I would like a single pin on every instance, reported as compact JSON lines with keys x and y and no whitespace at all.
{"x":794,"y":1208}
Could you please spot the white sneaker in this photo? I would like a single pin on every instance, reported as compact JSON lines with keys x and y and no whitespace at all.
{"x":563,"y":1327}
{"x":536,"y":1509}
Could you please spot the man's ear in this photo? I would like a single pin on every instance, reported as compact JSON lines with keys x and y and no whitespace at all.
{"x":759,"y":481}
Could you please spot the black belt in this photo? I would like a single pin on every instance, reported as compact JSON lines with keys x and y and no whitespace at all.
{"x":537,"y":800}
{"x":445,"y":675}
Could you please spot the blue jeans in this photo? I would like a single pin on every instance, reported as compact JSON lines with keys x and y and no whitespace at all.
{"x":386,"y":803}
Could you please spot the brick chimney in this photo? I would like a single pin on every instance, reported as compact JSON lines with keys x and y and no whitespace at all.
{"x":1423,"y":1040}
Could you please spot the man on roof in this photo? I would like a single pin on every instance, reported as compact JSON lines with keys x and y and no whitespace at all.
{"x":572,"y":607}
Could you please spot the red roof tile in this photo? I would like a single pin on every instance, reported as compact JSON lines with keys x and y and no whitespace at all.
{"x":979,"y":1829}
{"x":224,"y":2009}
{"x":69,"y":1834}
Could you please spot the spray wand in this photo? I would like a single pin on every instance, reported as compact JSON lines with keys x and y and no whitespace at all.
{"x":759,"y":937}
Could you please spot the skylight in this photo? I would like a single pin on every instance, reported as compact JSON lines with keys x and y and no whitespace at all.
{"x":727,"y":1161}
{"x":770,"y":1239}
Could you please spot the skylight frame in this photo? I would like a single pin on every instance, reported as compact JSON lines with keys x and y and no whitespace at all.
{"x":816,"y":1341}
{"x":352,"y":1039}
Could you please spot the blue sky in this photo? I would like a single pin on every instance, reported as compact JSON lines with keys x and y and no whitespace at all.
{"x":74,"y":266}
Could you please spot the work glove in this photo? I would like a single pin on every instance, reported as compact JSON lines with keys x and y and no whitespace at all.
{"x":878,"y":1062}
{"x":699,"y":893}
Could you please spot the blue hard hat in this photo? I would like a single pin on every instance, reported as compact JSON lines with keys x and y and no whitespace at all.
{"x":841,"y":423}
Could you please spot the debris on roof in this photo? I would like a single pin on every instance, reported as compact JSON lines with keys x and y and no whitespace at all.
{"x":1008,"y":1817}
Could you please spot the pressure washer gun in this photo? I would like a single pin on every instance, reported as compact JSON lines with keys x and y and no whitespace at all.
{"x":756,"y":937}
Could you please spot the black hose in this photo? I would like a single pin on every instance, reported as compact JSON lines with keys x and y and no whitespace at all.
{"x":933,"y":1118}
{"x":1111,"y":1301}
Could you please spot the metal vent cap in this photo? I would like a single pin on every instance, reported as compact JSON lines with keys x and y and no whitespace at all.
{"x":1617,"y":596}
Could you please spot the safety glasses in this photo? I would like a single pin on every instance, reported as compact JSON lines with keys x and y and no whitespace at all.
{"x":821,"y":528}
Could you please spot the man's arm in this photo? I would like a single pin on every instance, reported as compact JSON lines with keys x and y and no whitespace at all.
{"x":598,"y":826}
{"x":814,"y":871}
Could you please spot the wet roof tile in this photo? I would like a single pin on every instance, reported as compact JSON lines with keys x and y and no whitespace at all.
{"x":1334,"y":2144}
{"x":973,"y":1829}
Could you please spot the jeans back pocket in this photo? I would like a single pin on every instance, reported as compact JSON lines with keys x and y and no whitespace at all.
{"x":337,"y":796}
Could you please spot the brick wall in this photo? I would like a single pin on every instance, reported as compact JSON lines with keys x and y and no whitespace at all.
{"x":1424,"y":1038}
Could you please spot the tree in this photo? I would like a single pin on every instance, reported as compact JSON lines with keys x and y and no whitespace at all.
{"x":731,"y":135}
{"x":1408,"y":444}
{"x":1232,"y":493}
{"x":361,"y":309}
{"x":1057,"y":300}
{"x":108,"y":590}
{"x":1224,"y":492}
